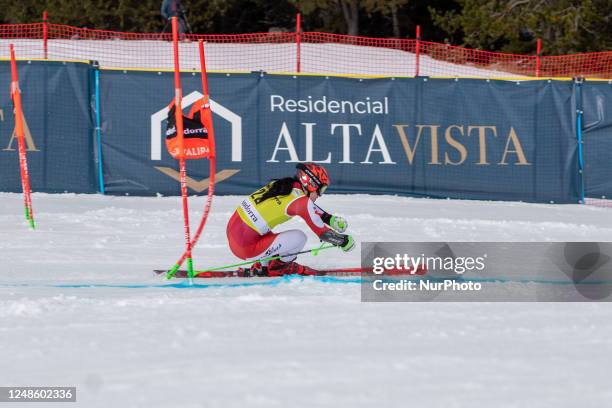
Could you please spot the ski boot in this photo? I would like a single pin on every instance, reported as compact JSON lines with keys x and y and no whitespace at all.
{"x":257,"y":269}
{"x":280,"y":268}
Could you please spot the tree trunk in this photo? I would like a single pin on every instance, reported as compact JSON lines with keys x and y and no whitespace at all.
{"x":395,"y":20}
{"x":350,"y":11}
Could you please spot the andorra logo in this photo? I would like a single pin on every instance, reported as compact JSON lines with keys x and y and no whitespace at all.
{"x":235,"y":121}
{"x":27,"y":135}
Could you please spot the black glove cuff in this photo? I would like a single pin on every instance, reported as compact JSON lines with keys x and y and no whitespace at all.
{"x":326,"y":218}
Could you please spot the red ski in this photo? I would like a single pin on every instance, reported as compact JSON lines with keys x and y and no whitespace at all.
{"x":244,"y":273}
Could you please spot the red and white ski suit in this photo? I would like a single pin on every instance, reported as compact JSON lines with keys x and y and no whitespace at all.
{"x":249,"y":230}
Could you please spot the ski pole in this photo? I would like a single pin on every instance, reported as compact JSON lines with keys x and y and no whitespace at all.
{"x":314,"y":251}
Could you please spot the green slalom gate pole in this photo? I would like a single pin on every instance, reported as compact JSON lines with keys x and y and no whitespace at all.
{"x":30,"y":219}
{"x":314,"y":251}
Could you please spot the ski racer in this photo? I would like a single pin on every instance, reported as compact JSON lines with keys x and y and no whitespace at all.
{"x":249,"y":230}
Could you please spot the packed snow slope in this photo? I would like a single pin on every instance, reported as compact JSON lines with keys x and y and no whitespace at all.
{"x":322,"y":59}
{"x":80,"y":306}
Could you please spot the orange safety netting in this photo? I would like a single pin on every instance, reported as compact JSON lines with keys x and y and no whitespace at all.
{"x":306,"y":52}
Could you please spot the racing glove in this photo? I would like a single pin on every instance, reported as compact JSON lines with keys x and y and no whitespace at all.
{"x":345,"y":242}
{"x":338,"y":223}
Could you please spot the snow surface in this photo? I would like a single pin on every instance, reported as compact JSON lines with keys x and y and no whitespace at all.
{"x":269,"y":57}
{"x":80,"y":306}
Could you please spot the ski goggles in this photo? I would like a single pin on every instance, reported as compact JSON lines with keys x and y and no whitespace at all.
{"x":314,"y":186}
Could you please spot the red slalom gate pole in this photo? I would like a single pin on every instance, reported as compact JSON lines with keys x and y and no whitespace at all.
{"x":211,"y":139}
{"x":178,"y":99}
{"x":23,"y":163}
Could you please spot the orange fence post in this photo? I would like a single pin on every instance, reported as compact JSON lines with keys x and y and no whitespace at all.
{"x":538,"y":55}
{"x":418,"y":50}
{"x":298,"y":42}
{"x":45,"y":32}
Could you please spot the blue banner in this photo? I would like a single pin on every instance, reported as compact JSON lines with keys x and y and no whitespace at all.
{"x":56,"y":98}
{"x":471,"y":139}
{"x":597,"y":138}
{"x":455,"y":138}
